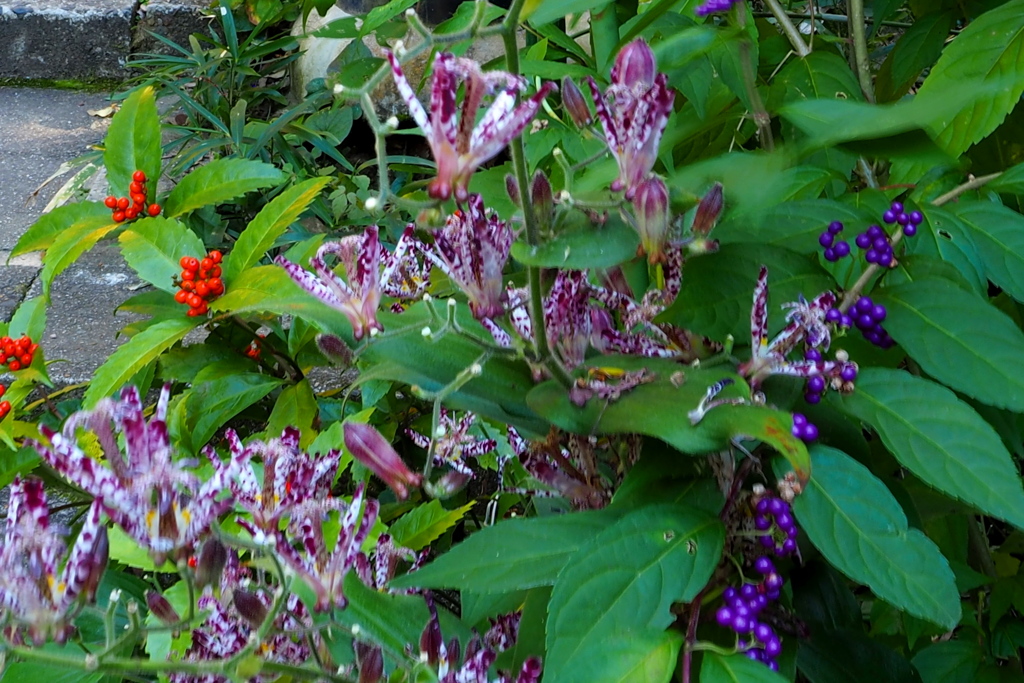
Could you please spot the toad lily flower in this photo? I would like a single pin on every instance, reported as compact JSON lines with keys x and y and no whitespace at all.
{"x":633,"y":113}
{"x":472,"y":249}
{"x":454,"y":443}
{"x":164,"y":507}
{"x":460,"y":144}
{"x":33,"y":589}
{"x":369,"y":271}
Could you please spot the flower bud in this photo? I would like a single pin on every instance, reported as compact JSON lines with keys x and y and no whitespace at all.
{"x":211,"y":563}
{"x":370,"y":661}
{"x":708,"y":211}
{"x":574,"y":103}
{"x":542,"y":199}
{"x":650,"y":206}
{"x":512,"y":187}
{"x":531,"y":671}
{"x":431,"y":640}
{"x":635,"y":65}
{"x":369,"y":447}
{"x":97,"y":565}
{"x":162,"y":609}
{"x":334,"y":349}
{"x":249,"y":606}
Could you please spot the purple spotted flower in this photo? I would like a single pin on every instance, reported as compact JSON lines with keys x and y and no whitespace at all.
{"x":633,"y":112}
{"x":454,"y":443}
{"x":163,"y":506}
{"x":472,"y":250}
{"x":378,"y":570}
{"x":291,"y":478}
{"x":370,"y":271}
{"x":460,"y":144}
{"x":36,"y":592}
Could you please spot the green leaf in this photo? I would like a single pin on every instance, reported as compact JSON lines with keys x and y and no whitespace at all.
{"x":513,"y":554}
{"x":582,"y":245}
{"x":44,"y":231}
{"x":70,"y":244}
{"x":127,"y":550}
{"x":379,"y":16}
{"x":540,"y":13}
{"x":269,"y":224}
{"x":852,"y":518}
{"x":945,"y":236}
{"x":793,"y":225}
{"x":424,"y":524}
{"x":736,"y":668}
{"x":848,"y":655}
{"x":133,"y":142}
{"x":998,"y":234}
{"x":295,"y":407}
{"x":220,"y":181}
{"x":952,"y":661}
{"x":940,"y":439}
{"x":212,"y":403}
{"x":959,"y":339}
{"x":135,"y":354}
{"x":718,"y":289}
{"x":30,"y":319}
{"x":52,"y":673}
{"x":1010,"y":182}
{"x":625,"y":580}
{"x":916,"y":50}
{"x":153,"y":247}
{"x":820,"y":74}
{"x":987,"y":53}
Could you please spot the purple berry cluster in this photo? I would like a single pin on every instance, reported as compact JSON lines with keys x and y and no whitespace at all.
{"x":868,"y":317}
{"x":909,"y":221}
{"x":715,"y":6}
{"x":833,"y":250}
{"x":739,"y":613}
{"x":875,"y":241}
{"x":803,"y":429}
{"x":818,"y":383}
{"x":773,"y":515}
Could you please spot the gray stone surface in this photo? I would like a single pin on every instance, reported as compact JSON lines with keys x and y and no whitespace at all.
{"x":173,"y":19}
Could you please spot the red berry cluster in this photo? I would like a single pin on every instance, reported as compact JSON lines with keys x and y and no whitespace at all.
{"x":200,"y":282}
{"x":16,"y":353}
{"x":125,"y":209}
{"x":5,"y":406}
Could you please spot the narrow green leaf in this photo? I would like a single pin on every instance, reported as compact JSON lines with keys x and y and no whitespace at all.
{"x":512,"y":555}
{"x":272,"y":220}
{"x":133,"y":142}
{"x":718,"y":668}
{"x":220,"y":181}
{"x":583,"y":245}
{"x":941,"y":439}
{"x":959,"y":339}
{"x":424,"y":524}
{"x":379,"y":16}
{"x":998,"y":234}
{"x":153,"y":247}
{"x":69,"y":245}
{"x":852,"y":518}
{"x":135,"y":354}
{"x":44,"y":231}
{"x":624,"y":581}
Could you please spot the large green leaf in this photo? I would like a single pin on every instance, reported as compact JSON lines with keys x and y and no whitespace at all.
{"x":820,"y":74}
{"x":272,"y":220}
{"x":853,"y":519}
{"x":624,"y":581}
{"x":793,"y":225}
{"x":998,"y":234}
{"x":940,"y":439}
{"x":583,"y":245}
{"x":295,"y":407}
{"x":219,"y":181}
{"x":849,"y":655}
{"x":718,"y":668}
{"x":958,"y":338}
{"x":944,"y":235}
{"x":951,"y":661}
{"x":30,"y":318}
{"x":511,"y":555}
{"x":718,"y":289}
{"x":44,"y":231}
{"x":212,"y":403}
{"x":74,"y":241}
{"x":916,"y":50}
{"x":989,"y":52}
{"x":153,"y":247}
{"x":133,"y":142}
{"x":135,"y":354}
{"x":424,"y":524}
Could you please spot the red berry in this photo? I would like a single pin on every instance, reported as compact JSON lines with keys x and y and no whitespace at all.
{"x":188,"y":275}
{"x":139,"y":177}
{"x":191,"y":313}
{"x":206,"y":263}
{"x":195,"y":301}
{"x":4,"y":341}
{"x":187,"y":285}
{"x":216,"y":256}
{"x":111,"y":202}
{"x":3,"y":389}
{"x":203,"y":275}
{"x":33,"y":348}
{"x":26,"y":359}
{"x":154,"y":209}
{"x":131,"y":213}
{"x":10,"y":349}
{"x":118,"y":216}
{"x":216,"y":285}
{"x":23,"y":343}
{"x":181,"y":295}
{"x":135,"y":188}
{"x":215,"y":271}
{"x":14,"y":366}
{"x":123,"y":203}
{"x":184,"y":262}
{"x":3,"y":359}
{"x":201,"y":309}
{"x":5,"y":406}
{"x":138,"y":198}
{"x":202,"y":289}
{"x":193,"y":263}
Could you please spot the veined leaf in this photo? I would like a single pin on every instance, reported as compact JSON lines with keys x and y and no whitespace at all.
{"x":1010,"y":182}
{"x":153,"y":247}
{"x":959,"y":339}
{"x":212,"y":403}
{"x":295,"y":407}
{"x":133,"y":142}
{"x":70,"y":244}
{"x":272,"y":220}
{"x":424,"y":524}
{"x":44,"y":231}
{"x":998,"y":234}
{"x":793,"y":225}
{"x":135,"y":354}
{"x":916,"y":50}
{"x":582,"y":245}
{"x":820,"y":74}
{"x":625,"y":581}
{"x":219,"y":181}
{"x":940,"y":439}
{"x":852,"y":518}
{"x":736,"y":668}
{"x":540,"y":13}
{"x":944,"y":235}
{"x":30,"y":319}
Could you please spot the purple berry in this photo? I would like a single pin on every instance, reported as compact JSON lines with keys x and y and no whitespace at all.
{"x":773,"y":646}
{"x":810,"y":434}
{"x":916,"y":218}
{"x":871,"y":256}
{"x":763,"y":522}
{"x":812,"y":398}
{"x":825,"y":239}
{"x":773,"y":581}
{"x":753,"y":654}
{"x":896,"y":207}
{"x":878,"y":312}
{"x":864,"y":321}
{"x":784,"y":520}
{"x":799,"y":419}
{"x":833,"y":315}
{"x":766,"y":541}
{"x":740,"y":624}
{"x":748,"y":591}
{"x":842,"y":248}
{"x":835,"y":227}
{"x":724,"y":616}
{"x":847,"y":321}
{"x":903,"y":219}
{"x":889,"y":217}
{"x":777,"y":506}
{"x":762,"y":506}
{"x":880,"y":244}
{"x":815,"y":384}
{"x":885,"y":259}
{"x":830,"y":255}
{"x":910,"y":230}
{"x":730,"y":595}
{"x":764,"y":565}
{"x":792,"y":532}
{"x":874,"y":232}
{"x":863,"y":240}
{"x":863,"y":304}
{"x":763,"y":632}
{"x":772,"y":664}
{"x":873,"y":336}
{"x":849,"y":373}
{"x":812,"y":355}
{"x":789,"y":546}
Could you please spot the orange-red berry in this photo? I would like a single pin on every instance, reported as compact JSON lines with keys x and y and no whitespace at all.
{"x":139,"y":177}
{"x":123,"y":203}
{"x":216,"y":256}
{"x":14,"y":366}
{"x":131,"y":213}
{"x":111,"y":202}
{"x":118,"y":216}
{"x":181,"y":296}
{"x":154,"y":209}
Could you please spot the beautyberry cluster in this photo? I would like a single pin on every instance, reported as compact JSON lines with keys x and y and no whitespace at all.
{"x":841,"y":371}
{"x":868,"y":317}
{"x":834,"y":250}
{"x":803,"y":429}
{"x":774,"y":516}
{"x":200,"y":282}
{"x":715,"y":6}
{"x":909,"y":221}
{"x":741,"y":609}
{"x":875,"y":241}
{"x":17,"y":353}
{"x":125,"y":208}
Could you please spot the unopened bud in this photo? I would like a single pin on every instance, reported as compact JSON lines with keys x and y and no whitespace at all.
{"x":161,"y":609}
{"x":249,"y":606}
{"x":542,"y":199}
{"x":334,"y":349}
{"x":431,"y":640}
{"x":370,"y":661}
{"x":635,"y":66}
{"x":650,"y":206}
{"x":708,"y":211}
{"x":512,"y":187}
{"x":211,"y":563}
{"x":97,"y":565}
{"x":369,"y":447}
{"x":575,"y":104}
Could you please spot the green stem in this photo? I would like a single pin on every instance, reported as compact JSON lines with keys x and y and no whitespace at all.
{"x":790,"y":31}
{"x":825,"y":16}
{"x":761,"y":117}
{"x":855,"y":10}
